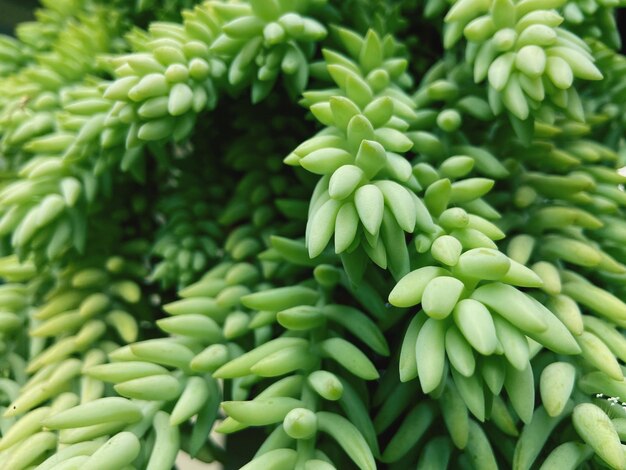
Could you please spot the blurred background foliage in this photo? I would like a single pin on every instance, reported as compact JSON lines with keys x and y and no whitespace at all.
{"x":15,"y":11}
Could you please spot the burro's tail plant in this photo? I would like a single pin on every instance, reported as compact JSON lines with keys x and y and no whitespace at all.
{"x":339,"y":234}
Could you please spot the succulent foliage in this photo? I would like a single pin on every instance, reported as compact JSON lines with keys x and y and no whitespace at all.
{"x":343,"y":234}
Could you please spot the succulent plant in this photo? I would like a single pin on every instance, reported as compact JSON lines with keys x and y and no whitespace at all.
{"x":342,"y":234}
